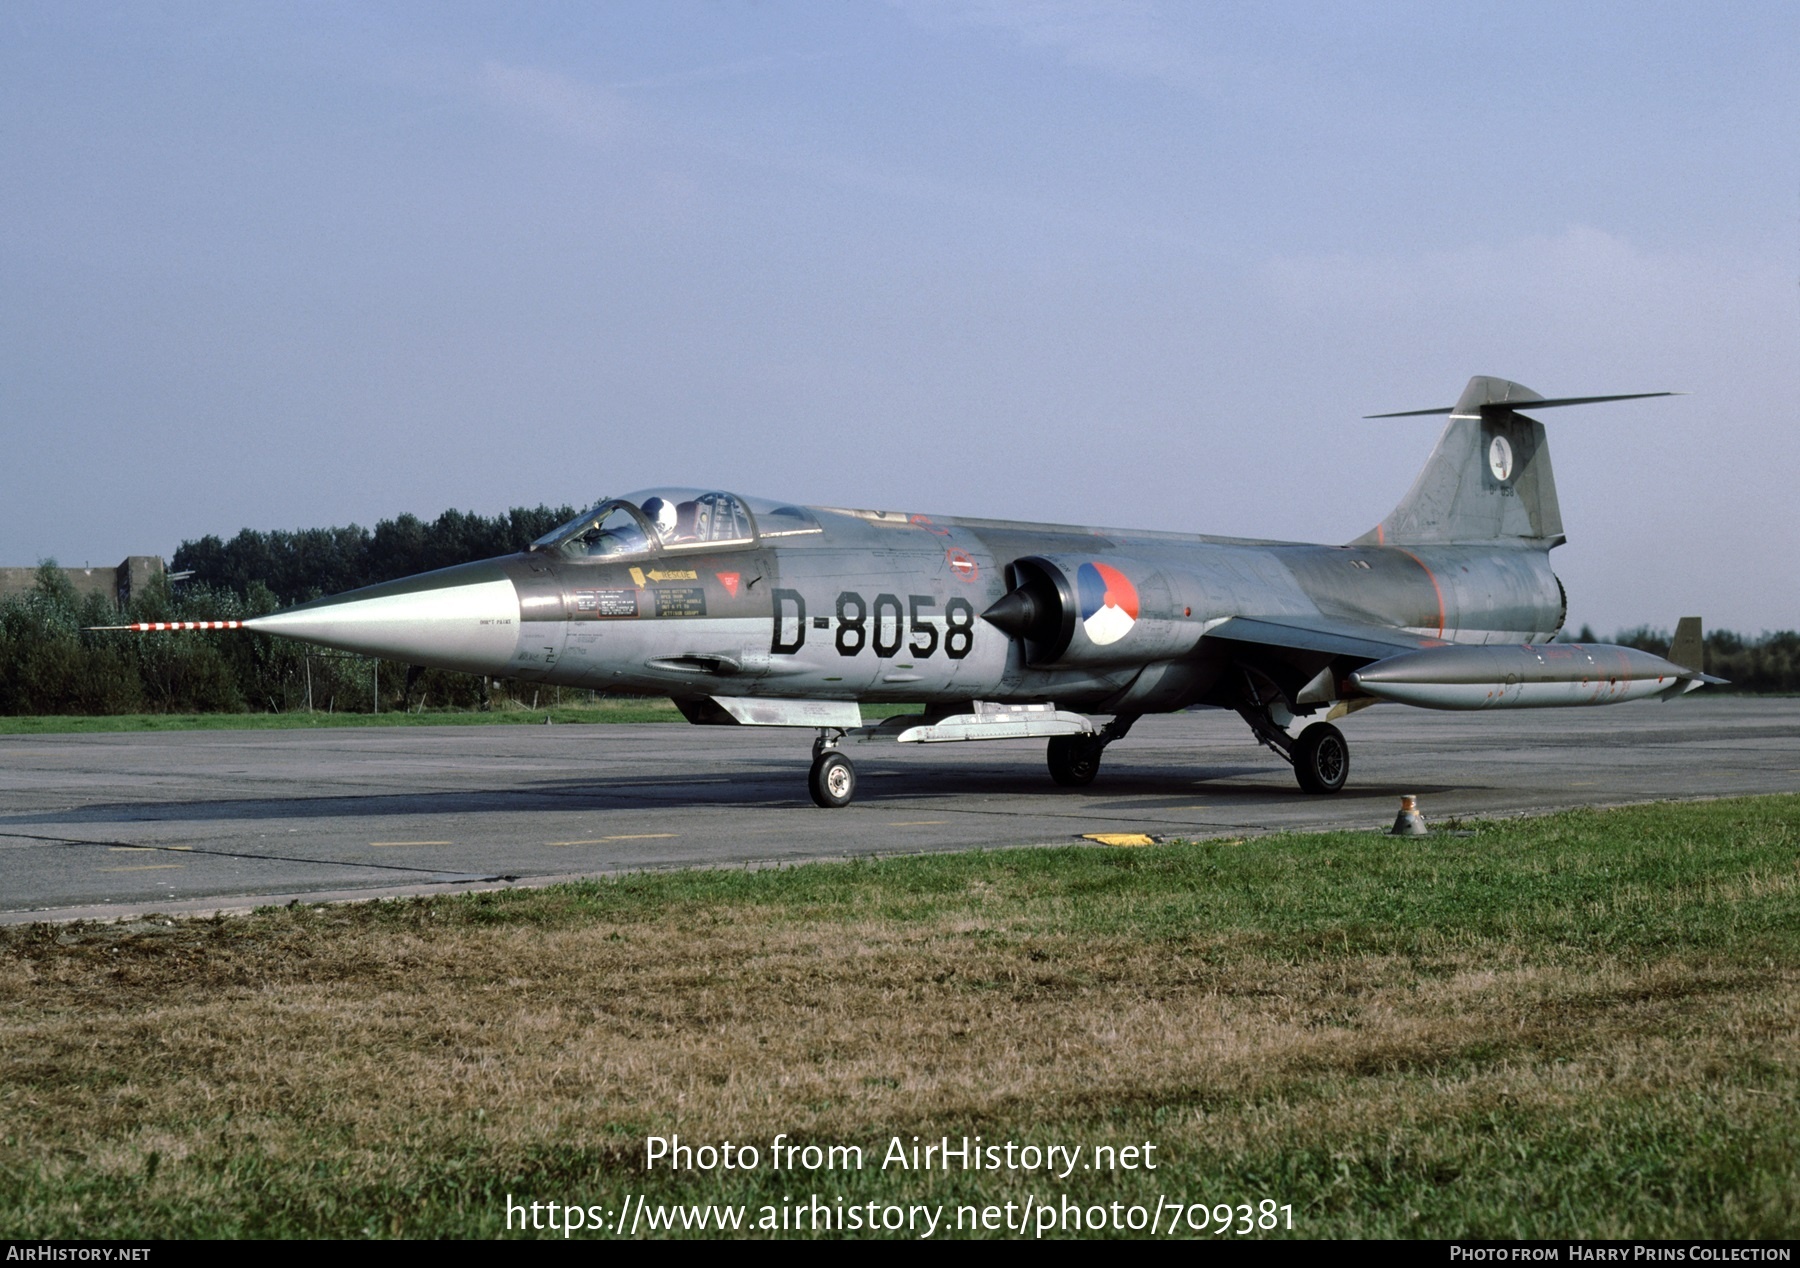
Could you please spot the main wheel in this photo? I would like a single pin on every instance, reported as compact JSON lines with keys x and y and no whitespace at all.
{"x":1074,"y":760}
{"x":833,"y":780}
{"x":1321,"y":758}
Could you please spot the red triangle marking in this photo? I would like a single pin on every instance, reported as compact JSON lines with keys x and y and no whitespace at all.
{"x":729,"y":580}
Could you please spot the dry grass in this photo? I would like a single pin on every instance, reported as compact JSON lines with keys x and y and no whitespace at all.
{"x":1523,"y":1033}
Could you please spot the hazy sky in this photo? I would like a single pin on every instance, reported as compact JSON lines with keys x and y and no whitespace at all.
{"x":294,"y":265}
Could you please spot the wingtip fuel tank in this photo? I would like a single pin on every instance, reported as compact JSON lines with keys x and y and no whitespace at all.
{"x":1528,"y":676}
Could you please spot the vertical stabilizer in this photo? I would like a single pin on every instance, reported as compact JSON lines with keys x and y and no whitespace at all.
{"x":1489,"y":479}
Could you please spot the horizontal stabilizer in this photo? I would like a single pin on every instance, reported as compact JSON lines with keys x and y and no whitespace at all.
{"x":1488,"y":397}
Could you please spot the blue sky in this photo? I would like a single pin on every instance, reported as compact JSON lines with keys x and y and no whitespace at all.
{"x":1136,"y":264}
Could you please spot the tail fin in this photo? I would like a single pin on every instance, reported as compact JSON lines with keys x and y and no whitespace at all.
{"x":1689,"y":648}
{"x":1489,"y":479}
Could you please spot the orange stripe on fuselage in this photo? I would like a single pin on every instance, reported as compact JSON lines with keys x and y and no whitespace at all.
{"x":1435,"y":588}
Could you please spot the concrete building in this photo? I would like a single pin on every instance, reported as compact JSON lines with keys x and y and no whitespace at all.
{"x":117,"y":584}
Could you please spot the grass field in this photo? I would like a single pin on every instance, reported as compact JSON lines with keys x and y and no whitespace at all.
{"x":1578,"y":1025}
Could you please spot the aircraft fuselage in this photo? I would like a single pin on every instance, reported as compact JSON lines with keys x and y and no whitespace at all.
{"x":760,"y":613}
{"x":878,"y":607}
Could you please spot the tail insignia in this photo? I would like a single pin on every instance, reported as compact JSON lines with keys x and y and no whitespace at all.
{"x":1500,"y":459}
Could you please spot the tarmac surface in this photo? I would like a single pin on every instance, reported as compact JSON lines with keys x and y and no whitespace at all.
{"x":107,"y":826}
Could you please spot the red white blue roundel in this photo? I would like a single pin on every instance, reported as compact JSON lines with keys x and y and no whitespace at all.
{"x":1108,"y":602}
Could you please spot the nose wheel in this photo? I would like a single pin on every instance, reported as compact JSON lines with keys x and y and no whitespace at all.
{"x":1074,"y":760}
{"x":832,"y":782}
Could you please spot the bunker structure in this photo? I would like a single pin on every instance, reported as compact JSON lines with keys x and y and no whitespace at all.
{"x":117,"y":584}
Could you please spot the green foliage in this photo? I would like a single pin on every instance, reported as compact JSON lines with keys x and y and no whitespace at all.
{"x":52,"y":663}
{"x":1767,"y":664}
{"x":307,"y":563}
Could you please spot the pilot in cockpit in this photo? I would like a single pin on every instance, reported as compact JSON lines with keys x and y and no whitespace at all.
{"x":661,"y":514}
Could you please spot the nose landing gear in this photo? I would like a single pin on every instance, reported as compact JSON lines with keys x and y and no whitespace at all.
{"x":1075,"y":759}
{"x":832,"y":781}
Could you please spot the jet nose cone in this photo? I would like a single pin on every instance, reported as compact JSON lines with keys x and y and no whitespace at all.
{"x":466,"y":618}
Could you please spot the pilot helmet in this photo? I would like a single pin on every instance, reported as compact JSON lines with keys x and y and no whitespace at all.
{"x":661,"y":514}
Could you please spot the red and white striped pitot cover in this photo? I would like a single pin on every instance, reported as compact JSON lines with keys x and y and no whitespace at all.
{"x":186,"y":625}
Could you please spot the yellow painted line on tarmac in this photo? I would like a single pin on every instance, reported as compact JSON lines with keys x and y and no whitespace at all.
{"x":624,"y":836}
{"x":387,"y":843}
{"x":144,"y":867}
{"x":916,"y":823}
{"x":145,"y":849}
{"x":1120,"y":838}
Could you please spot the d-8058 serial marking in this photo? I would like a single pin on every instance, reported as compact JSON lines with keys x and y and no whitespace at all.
{"x":882,"y":625}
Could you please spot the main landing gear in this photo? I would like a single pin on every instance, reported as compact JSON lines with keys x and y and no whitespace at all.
{"x":1320,"y":754}
{"x":1321,"y":758}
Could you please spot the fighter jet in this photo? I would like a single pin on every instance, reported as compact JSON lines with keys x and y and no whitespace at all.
{"x":749,"y":611}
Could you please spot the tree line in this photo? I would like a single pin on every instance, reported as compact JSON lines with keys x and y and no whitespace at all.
{"x":1766,"y":665}
{"x":51,"y":663}
{"x":311,"y":562}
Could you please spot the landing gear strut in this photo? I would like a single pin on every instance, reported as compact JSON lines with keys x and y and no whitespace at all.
{"x":832,"y":781}
{"x":1075,"y":759}
{"x":1320,"y":755}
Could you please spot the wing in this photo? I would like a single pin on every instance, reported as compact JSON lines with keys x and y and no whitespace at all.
{"x":1306,"y":659}
{"x":1313,"y":660}
{"x":1323,"y":636}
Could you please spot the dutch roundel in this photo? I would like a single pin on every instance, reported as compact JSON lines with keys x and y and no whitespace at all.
{"x":1109,"y":603}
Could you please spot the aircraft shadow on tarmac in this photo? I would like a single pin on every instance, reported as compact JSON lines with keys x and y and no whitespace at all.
{"x":750,"y":786}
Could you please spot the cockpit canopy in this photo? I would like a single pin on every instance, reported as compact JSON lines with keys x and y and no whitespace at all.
{"x":657,"y":520}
